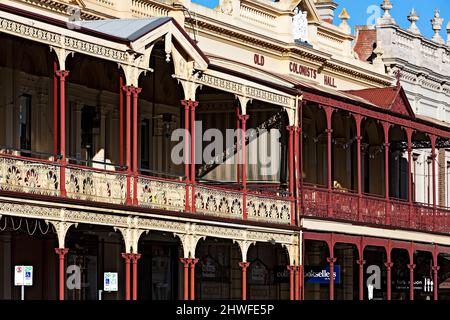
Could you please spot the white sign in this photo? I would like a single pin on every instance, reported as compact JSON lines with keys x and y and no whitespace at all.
{"x":110,"y":281}
{"x":23,"y":275}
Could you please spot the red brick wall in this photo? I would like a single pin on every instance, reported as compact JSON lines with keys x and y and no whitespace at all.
{"x":365,"y":41}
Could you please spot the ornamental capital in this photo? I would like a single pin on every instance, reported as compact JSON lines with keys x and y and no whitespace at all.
{"x":331,"y":260}
{"x":411,"y":266}
{"x":243,"y":117}
{"x":435,"y":268}
{"x":244,"y":265}
{"x":61,"y":251}
{"x":62,"y":74}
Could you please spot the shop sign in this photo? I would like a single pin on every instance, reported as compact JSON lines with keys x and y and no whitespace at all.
{"x":110,"y":282}
{"x":258,"y":59}
{"x":321,"y":275}
{"x":329,"y":81}
{"x":258,"y":273}
{"x":281,"y":274}
{"x":210,"y":269}
{"x":302,"y":70}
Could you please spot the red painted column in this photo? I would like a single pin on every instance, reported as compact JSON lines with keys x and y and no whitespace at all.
{"x":244,"y":266}
{"x":329,"y":113}
{"x":192,"y":106}
{"x":186,"y":262}
{"x":435,"y":269}
{"x":411,"y":267}
{"x":127,"y":257}
{"x":243,"y":119}
{"x":389,"y":265}
{"x":298,"y":163}
{"x":62,"y":74}
{"x":135,"y":92}
{"x":127,"y":90}
{"x":297,"y":282}
{"x":121,"y":120}
{"x":361,"y":264}
{"x":433,"y":168}
{"x":331,"y":261}
{"x":386,"y":127}
{"x":291,"y":156}
{"x":301,"y":284}
{"x":61,"y":252}
{"x":358,"y":119}
{"x":298,"y":171}
{"x":291,"y":282}
{"x":193,"y":263}
{"x":55,"y":111}
{"x":135,"y":257}
{"x":186,"y":103}
{"x":409,"y":138}
{"x":238,"y":129}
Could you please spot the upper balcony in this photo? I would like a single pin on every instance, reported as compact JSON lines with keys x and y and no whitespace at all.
{"x":86,"y":134}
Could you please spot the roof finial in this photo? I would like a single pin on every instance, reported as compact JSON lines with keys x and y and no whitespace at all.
{"x":344,"y":16}
{"x":413,"y":18}
{"x":436,"y":24}
{"x":386,"y":18}
{"x":386,"y":6}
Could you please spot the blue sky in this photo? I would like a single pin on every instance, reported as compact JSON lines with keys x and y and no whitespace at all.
{"x":357,"y":9}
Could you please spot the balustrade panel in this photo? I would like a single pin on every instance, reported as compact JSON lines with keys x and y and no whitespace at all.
{"x":218,"y":202}
{"x":29,"y":176}
{"x":161,"y":194}
{"x":95,"y":185}
{"x":373,"y":210}
{"x":315,"y":201}
{"x":399,"y":214}
{"x":344,"y":205}
{"x":265,"y":208}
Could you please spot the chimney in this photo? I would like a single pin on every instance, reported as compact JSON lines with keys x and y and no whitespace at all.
{"x":326,"y":8}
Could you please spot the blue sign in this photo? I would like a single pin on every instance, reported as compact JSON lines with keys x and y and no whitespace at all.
{"x":322,"y":275}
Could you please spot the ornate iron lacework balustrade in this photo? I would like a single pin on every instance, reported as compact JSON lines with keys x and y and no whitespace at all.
{"x":218,"y":202}
{"x":161,"y":194}
{"x":268,"y":208}
{"x":372,"y":210}
{"x":96,"y":185}
{"x":29,"y":176}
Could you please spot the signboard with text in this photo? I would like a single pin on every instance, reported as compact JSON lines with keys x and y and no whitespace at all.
{"x":321,"y":275}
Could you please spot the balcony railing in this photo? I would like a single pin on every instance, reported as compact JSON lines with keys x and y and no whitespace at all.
{"x":43,"y":177}
{"x":373,"y":210}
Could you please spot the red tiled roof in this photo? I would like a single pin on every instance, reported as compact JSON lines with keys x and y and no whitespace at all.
{"x":382,"y":97}
{"x":389,"y":98}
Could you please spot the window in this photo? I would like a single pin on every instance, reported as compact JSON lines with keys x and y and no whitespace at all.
{"x":429,"y":181}
{"x":415,"y":157}
{"x":145,"y":144}
{"x":90,"y":125}
{"x":25,"y":122}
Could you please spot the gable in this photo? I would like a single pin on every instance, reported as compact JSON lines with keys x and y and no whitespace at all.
{"x":401,"y":104}
{"x":393,"y":99}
